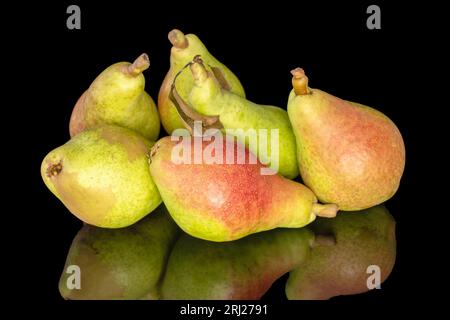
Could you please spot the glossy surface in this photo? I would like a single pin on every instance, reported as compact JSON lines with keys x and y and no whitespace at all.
{"x":328,"y":258}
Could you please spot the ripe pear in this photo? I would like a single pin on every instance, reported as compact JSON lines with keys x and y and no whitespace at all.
{"x":238,"y":270}
{"x":228,"y":199}
{"x":348,"y":153}
{"x":102,"y":176}
{"x":117,"y":97}
{"x":365,"y":240}
{"x":184,"y":49}
{"x":245,"y":120}
{"x":125,"y":263}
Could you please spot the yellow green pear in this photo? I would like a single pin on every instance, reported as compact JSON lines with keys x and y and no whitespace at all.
{"x":102,"y":176}
{"x":264,"y":129}
{"x":184,"y":49}
{"x":117,"y":97}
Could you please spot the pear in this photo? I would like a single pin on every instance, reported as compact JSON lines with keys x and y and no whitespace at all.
{"x":364,"y":241}
{"x":125,"y":263}
{"x":117,"y":97}
{"x":184,"y":49}
{"x":238,"y":270}
{"x":348,"y":153}
{"x":242,"y":118}
{"x":227,"y":199}
{"x":102,"y":176}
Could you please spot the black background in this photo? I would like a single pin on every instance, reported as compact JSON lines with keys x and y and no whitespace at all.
{"x":260,"y":43}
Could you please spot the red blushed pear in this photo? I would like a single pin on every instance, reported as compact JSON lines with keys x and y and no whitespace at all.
{"x":226,"y":201}
{"x":348,"y":153}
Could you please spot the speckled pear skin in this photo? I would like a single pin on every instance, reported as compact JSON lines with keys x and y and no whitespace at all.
{"x":117,"y":97}
{"x":348,"y":153}
{"x":224,"y":202}
{"x":125,"y":263}
{"x":235,"y":112}
{"x":363,"y":238}
{"x":184,"y":49}
{"x":238,"y":270}
{"x":102,"y":176}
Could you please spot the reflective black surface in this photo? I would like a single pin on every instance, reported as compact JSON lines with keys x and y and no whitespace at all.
{"x":350,"y":254}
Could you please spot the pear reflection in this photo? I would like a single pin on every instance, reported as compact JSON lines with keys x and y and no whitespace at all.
{"x":362,"y":256}
{"x":119,"y":263}
{"x":241,"y":269}
{"x":151,"y":260}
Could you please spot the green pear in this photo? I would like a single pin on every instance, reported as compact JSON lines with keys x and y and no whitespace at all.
{"x":125,"y":263}
{"x":348,"y":154}
{"x":227,"y":200}
{"x":238,"y":270}
{"x":242,"y":118}
{"x":102,"y":176}
{"x":364,"y":241}
{"x":184,"y":49}
{"x":117,"y":97}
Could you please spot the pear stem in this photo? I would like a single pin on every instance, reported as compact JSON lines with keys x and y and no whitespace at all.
{"x":325,"y":210}
{"x":198,"y":70}
{"x":188,"y":114}
{"x":300,"y":82}
{"x":178,"y":39}
{"x":140,"y":64}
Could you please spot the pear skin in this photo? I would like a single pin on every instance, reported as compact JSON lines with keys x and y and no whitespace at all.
{"x":243,"y":269}
{"x":225,"y":201}
{"x":362,"y":239}
{"x":348,"y":153}
{"x":184,"y":49}
{"x":125,"y":263}
{"x":238,"y":115}
{"x":117,"y":97}
{"x":102,"y":176}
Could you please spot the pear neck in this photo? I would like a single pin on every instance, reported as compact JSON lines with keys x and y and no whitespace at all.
{"x":138,"y":66}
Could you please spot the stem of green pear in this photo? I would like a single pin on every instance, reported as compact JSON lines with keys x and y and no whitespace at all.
{"x":300,"y":82}
{"x":198,"y":70}
{"x":188,"y":114}
{"x":178,"y":39}
{"x":325,"y":210}
{"x":139,"y":65}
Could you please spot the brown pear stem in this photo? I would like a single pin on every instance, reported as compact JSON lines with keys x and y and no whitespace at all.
{"x":188,"y":114}
{"x":178,"y":39}
{"x":323,"y":240}
{"x":300,"y":82}
{"x":325,"y":210}
{"x":140,"y":64}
